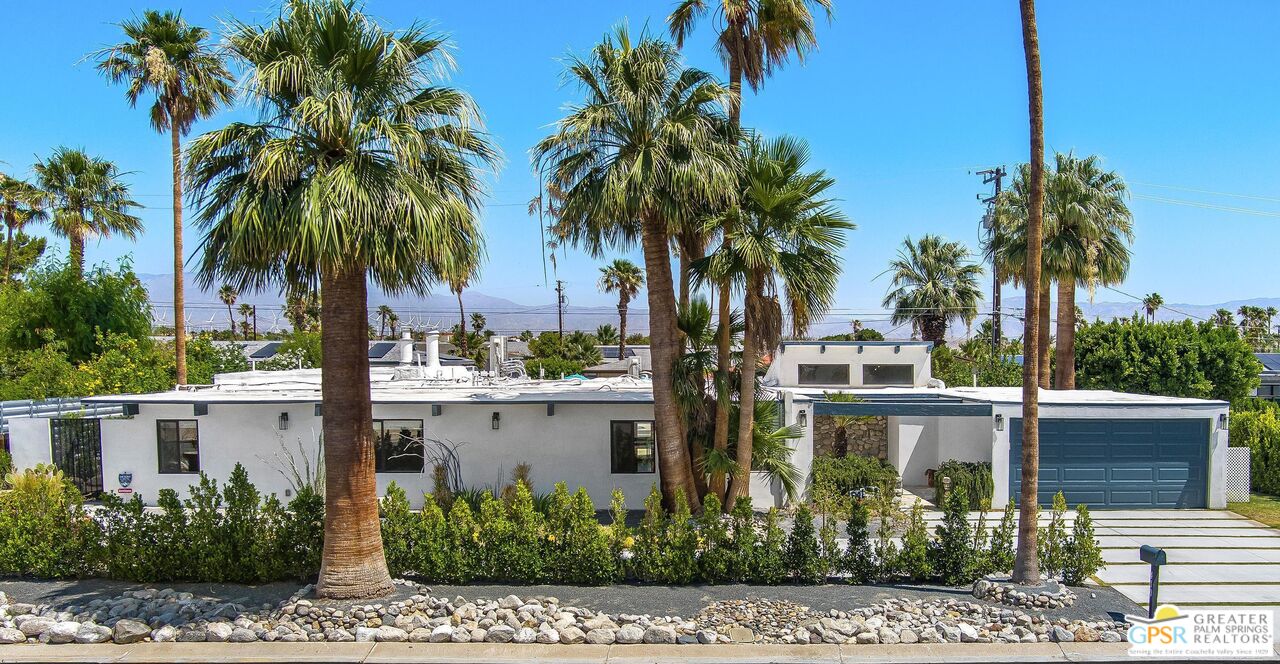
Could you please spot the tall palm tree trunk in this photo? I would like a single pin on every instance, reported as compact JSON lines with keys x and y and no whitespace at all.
{"x":1026,"y":566}
{"x":1064,"y":375}
{"x":720,"y":434}
{"x":934,"y":328}
{"x":353,"y":564}
{"x":462,"y":325}
{"x":179,"y":289}
{"x":232,"y":317}
{"x":8,"y":251}
{"x":622,"y":327}
{"x":674,"y":467}
{"x":76,"y":252}
{"x":741,"y":485}
{"x":1044,"y":317}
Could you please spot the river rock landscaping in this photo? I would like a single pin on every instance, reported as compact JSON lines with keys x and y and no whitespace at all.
{"x":168,"y":615}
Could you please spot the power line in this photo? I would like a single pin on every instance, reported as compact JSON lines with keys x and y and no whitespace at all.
{"x":1208,"y":206}
{"x":1162,"y":306}
{"x":1251,"y":197}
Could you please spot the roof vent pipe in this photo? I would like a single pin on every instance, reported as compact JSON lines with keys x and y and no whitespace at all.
{"x":433,"y":349}
{"x":406,"y":348}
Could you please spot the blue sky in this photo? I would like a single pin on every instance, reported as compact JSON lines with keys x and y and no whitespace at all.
{"x":900,"y":103}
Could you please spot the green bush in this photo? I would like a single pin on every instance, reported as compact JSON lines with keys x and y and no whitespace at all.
{"x":578,"y":546}
{"x":953,"y":558}
{"x":744,"y":542}
{"x":770,"y":564}
{"x":1258,"y":428}
{"x":1083,"y":555}
{"x":1051,"y":543}
{"x":397,"y":530}
{"x":972,"y":476}
{"x":859,"y":559}
{"x":553,"y":367}
{"x":803,"y":559}
{"x":718,"y":554}
{"x":845,"y":475}
{"x":1000,"y":554}
{"x":460,"y":556}
{"x":44,"y":530}
{"x":914,"y":559}
{"x":526,"y":551}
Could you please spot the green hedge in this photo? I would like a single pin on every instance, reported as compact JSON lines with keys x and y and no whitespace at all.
{"x":1259,"y":430}
{"x":974,"y":477}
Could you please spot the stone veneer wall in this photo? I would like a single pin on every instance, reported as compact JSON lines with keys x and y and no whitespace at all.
{"x":867,"y":436}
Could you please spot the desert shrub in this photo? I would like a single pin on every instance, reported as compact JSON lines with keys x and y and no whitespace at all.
{"x":953,"y":556}
{"x":397,"y":526}
{"x":496,"y":541}
{"x":1083,"y":556}
{"x":859,"y":559}
{"x":999,"y":556}
{"x":44,"y":531}
{"x":972,"y":476}
{"x":717,"y":557}
{"x":650,"y":553}
{"x":803,"y":560}
{"x":913,"y":561}
{"x":1051,"y":543}
{"x":130,"y":551}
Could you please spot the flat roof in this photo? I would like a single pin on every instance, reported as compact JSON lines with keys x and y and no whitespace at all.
{"x":1013,"y":395}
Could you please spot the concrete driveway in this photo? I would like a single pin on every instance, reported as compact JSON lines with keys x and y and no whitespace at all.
{"x":1216,"y":557}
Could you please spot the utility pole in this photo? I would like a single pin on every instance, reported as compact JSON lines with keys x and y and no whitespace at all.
{"x":560,"y":305}
{"x":993,"y":176}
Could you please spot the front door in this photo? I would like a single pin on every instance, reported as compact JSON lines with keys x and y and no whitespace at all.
{"x":77,"y":451}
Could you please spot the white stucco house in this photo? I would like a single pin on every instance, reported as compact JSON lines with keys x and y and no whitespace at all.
{"x":1103,"y":448}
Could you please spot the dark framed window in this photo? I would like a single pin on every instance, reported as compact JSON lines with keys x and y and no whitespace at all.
{"x":631,"y":447}
{"x":179,"y":446}
{"x":888,"y":374}
{"x":824,"y":374}
{"x":398,"y":446}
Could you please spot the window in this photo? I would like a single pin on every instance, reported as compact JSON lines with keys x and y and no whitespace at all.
{"x":888,"y":374}
{"x":824,"y":374}
{"x":399,"y":446}
{"x":631,"y":447}
{"x":179,"y":442}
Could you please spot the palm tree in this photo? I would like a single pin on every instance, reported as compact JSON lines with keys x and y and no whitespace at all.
{"x":933,"y":282}
{"x":87,"y":199}
{"x":785,"y":229}
{"x":393,"y":321}
{"x":1026,"y":568}
{"x":384,"y":313}
{"x":478,"y":322}
{"x":228,"y":295}
{"x":1224,"y":318}
{"x":755,"y":37}
{"x":350,"y":174}
{"x":458,"y":276}
{"x":607,"y":335}
{"x":650,"y":138}
{"x":21,"y":203}
{"x":1151,"y":304}
{"x":626,"y":279}
{"x":245,"y":311}
{"x":164,"y":55}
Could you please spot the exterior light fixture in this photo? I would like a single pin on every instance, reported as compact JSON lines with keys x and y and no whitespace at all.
{"x":859,"y":349}
{"x":551,"y":409}
{"x":284,"y":421}
{"x":802,"y":418}
{"x":495,"y":421}
{"x":436,"y":409}
{"x":1222,"y":421}
{"x":999,"y":422}
{"x":319,"y":410}
{"x":822,"y":348}
{"x":201,"y":409}
{"x":897,"y":349}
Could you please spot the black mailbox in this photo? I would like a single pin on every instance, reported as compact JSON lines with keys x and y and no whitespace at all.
{"x":1152,"y":555}
{"x":1155,"y":558}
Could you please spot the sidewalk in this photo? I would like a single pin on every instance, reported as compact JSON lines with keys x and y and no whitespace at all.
{"x":488,"y":653}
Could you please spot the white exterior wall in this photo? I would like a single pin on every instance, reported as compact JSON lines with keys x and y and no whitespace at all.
{"x":786,"y":361}
{"x":1217,"y":490}
{"x":29,"y":442}
{"x":765,"y":493}
{"x":920,"y":443}
{"x":570,"y":446}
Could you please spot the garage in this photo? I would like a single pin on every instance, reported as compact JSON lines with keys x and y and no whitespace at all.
{"x":1119,"y":463}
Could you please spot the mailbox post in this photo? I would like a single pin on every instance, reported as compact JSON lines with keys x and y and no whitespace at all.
{"x":1154,"y":557}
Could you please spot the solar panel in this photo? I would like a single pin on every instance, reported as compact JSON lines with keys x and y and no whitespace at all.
{"x":380,"y":349}
{"x":266,"y":351}
{"x":1270,"y":361}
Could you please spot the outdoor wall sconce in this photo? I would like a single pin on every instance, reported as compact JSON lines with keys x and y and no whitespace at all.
{"x":802,"y":418}
{"x":201,"y":409}
{"x":495,"y":420}
{"x":319,"y":410}
{"x":551,"y":409}
{"x":436,"y":409}
{"x":1222,"y":421}
{"x":859,"y":349}
{"x":897,"y":349}
{"x":131,"y":409}
{"x":999,"y":422}
{"x":822,"y":348}
{"x":284,"y":421}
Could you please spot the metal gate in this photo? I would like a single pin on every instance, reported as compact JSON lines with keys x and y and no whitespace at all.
{"x":77,"y":451}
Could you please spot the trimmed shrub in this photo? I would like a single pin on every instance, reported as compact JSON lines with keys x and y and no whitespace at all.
{"x":913,"y":561}
{"x":804,"y":561}
{"x":972,"y":476}
{"x":1083,"y":555}
{"x":745,"y":542}
{"x":717,"y":557}
{"x":953,"y":558}
{"x":397,"y":527}
{"x":1051,"y":544}
{"x":859,"y":559}
{"x":770,"y":565}
{"x":526,"y":553}
{"x":459,"y":564}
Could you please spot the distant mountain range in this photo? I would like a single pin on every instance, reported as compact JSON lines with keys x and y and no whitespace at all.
{"x":205,"y":311}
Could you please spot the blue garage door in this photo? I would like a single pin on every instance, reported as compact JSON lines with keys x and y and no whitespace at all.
{"x":1122,"y":464}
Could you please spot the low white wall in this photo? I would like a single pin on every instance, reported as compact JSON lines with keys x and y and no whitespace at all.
{"x":572,"y":446}
{"x":29,"y":442}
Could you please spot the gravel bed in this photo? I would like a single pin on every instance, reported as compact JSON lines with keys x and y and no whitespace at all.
{"x":100,"y":611}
